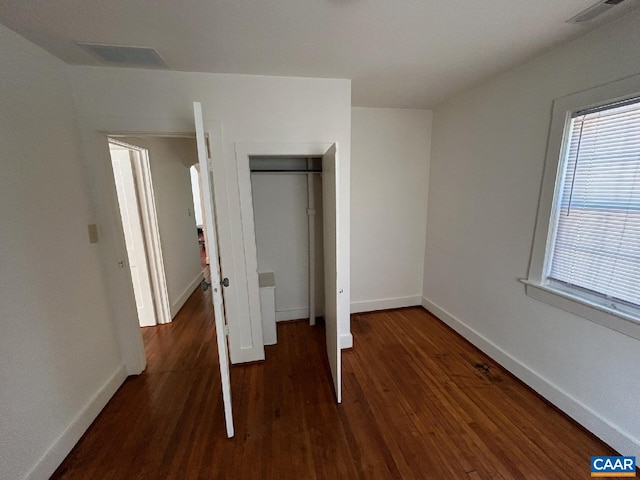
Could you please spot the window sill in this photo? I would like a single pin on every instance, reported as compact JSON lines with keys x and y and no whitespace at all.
{"x":614,"y":319}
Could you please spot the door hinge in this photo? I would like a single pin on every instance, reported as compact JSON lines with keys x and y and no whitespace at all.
{"x":210,"y":164}
{"x":226,"y":330}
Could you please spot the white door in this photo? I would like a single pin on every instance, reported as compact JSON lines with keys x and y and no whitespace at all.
{"x":133,"y":235}
{"x":209,"y":211}
{"x":332,"y":295}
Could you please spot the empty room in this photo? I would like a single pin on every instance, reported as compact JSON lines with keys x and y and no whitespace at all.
{"x":416,"y":252}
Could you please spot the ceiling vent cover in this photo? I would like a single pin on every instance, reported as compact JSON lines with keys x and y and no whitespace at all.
{"x":125,"y":56}
{"x":594,"y":10}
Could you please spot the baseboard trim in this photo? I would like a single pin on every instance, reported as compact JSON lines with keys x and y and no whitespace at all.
{"x":620,"y":440}
{"x":385,"y":304}
{"x":295,"y":314}
{"x":346,"y":341}
{"x":61,"y":447}
{"x":184,"y":296}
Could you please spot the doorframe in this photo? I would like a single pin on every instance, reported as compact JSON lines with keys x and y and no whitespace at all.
{"x":94,"y":131}
{"x":243,"y":153}
{"x":150,"y":230}
{"x":205,"y":235}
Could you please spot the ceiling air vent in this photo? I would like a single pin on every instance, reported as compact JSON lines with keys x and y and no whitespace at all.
{"x":594,"y":10}
{"x":125,"y":56}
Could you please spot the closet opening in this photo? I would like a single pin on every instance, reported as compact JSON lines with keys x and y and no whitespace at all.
{"x":288,"y":218}
{"x":294,"y":188}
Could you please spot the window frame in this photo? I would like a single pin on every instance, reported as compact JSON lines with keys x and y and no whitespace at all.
{"x":574,"y":300}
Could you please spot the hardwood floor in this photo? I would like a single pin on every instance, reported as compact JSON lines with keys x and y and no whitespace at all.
{"x":419,"y":402}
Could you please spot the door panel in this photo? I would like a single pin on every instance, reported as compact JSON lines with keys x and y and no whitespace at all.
{"x":134,"y":236}
{"x":209,"y":211}
{"x":330,"y":205}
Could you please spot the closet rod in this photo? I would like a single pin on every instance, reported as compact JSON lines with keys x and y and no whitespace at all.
{"x":298,"y":172}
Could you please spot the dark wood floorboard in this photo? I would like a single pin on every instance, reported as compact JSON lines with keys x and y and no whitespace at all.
{"x":419,"y":402}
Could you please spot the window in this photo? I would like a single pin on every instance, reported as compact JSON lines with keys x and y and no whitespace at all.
{"x":586,"y":256}
{"x":595,"y":241}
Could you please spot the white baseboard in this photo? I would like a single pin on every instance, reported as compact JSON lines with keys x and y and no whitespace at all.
{"x":295,"y":314}
{"x":184,"y":296}
{"x":620,"y":440}
{"x":385,"y":304}
{"x":61,"y":447}
{"x":346,"y":341}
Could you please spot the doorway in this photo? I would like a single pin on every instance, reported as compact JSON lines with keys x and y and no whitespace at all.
{"x":169,"y":158}
{"x":196,"y":190}
{"x":287,"y":210}
{"x":321,"y":159}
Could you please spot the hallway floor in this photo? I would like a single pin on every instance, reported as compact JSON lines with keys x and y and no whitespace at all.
{"x":419,"y":402}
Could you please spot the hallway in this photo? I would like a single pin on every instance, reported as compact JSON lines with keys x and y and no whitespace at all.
{"x":419,"y":402}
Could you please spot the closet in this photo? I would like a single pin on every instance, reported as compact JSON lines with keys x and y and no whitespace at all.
{"x":279,"y":192}
{"x":287,"y":212}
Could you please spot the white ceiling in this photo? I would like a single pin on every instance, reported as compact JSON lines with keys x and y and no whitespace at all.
{"x":399,"y":53}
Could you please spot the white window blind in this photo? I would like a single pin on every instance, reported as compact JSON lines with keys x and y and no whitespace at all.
{"x":596,"y":236}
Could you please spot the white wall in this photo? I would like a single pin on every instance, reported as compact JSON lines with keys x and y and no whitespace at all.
{"x":250,"y":109}
{"x":486,"y":168}
{"x":195,"y":193}
{"x":170,"y":159}
{"x":282,"y":240}
{"x":59,"y":359}
{"x":390,"y":167}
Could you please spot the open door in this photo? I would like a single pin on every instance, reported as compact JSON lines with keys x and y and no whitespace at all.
{"x":209,"y":210}
{"x":330,"y":205}
{"x":123,"y":175}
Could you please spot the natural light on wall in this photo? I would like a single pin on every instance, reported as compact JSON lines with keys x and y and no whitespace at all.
{"x":195,"y":190}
